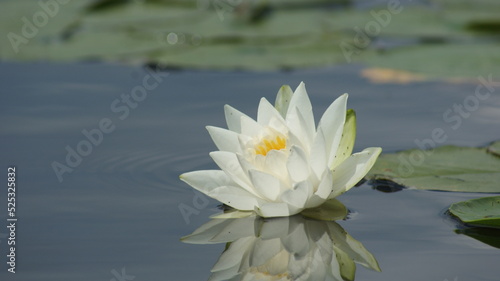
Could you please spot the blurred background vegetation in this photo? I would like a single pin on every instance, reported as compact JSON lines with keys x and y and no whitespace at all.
{"x":409,"y":40}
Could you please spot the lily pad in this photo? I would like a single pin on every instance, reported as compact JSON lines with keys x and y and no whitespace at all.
{"x":331,"y":210}
{"x":446,"y":168}
{"x":438,"y":60}
{"x":494,"y":148}
{"x":483,"y":212}
{"x":260,"y":35}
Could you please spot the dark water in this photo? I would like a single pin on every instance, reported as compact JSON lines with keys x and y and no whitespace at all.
{"x":118,"y":210}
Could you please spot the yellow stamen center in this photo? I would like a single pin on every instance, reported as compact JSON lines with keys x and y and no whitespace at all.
{"x":267,"y":145}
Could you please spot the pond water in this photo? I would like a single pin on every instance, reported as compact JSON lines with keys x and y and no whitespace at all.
{"x":116,"y":215}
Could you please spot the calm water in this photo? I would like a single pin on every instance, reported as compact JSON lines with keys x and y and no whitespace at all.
{"x":118,"y":210}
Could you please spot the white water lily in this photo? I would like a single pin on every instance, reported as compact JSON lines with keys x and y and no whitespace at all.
{"x":290,"y":248}
{"x":281,"y":163}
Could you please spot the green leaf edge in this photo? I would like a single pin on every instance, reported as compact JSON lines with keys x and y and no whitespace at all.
{"x":491,"y":149}
{"x":459,"y":210}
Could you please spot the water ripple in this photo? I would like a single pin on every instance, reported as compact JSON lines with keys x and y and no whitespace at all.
{"x":157,"y":169}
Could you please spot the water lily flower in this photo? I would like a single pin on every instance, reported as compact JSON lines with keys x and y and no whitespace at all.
{"x":289,"y":248}
{"x":281,"y":163}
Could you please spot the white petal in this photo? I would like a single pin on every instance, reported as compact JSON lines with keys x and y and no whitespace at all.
{"x":269,"y":210}
{"x":332,"y":124}
{"x":297,"y":165}
{"x":283,"y":99}
{"x":314,"y":201}
{"x":233,"y":118}
{"x":335,"y":268}
{"x":250,"y":127}
{"x":299,"y":195}
{"x":275,"y":162}
{"x":266,"y":185}
{"x":225,"y":275}
{"x":352,"y":247}
{"x":321,"y":239}
{"x":264,"y":250}
{"x":308,"y":129}
{"x":276,"y":268}
{"x":214,"y":183}
{"x":319,"y":156}
{"x":300,"y":267}
{"x":245,"y":164}
{"x":237,"y":229}
{"x":246,"y":143}
{"x":269,"y":117}
{"x":229,"y":163}
{"x":363,"y":257}
{"x":300,"y":101}
{"x":299,"y":132}
{"x":225,"y":140}
{"x":318,"y":269}
{"x":314,"y":266}
{"x":233,"y":255}
{"x":206,"y":180}
{"x":325,"y":186}
{"x":278,"y":227}
{"x":294,"y":140}
{"x":279,"y":125}
{"x":266,"y":112}
{"x":323,"y":191}
{"x":297,"y":241}
{"x":235,"y":197}
{"x":205,"y":233}
{"x":353,"y":169}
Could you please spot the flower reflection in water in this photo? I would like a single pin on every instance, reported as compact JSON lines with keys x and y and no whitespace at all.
{"x":288,"y":248}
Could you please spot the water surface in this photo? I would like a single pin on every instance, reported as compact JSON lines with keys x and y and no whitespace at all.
{"x":119,"y":208}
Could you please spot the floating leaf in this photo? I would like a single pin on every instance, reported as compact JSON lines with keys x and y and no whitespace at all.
{"x":494,"y":148}
{"x":232,"y":214}
{"x":261,"y":35}
{"x":439,"y":60}
{"x":483,"y":212}
{"x":331,"y":210}
{"x":447,"y":168}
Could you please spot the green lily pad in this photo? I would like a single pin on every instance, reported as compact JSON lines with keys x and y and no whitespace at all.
{"x":494,"y":148}
{"x":259,"y":35}
{"x":438,"y":60}
{"x":483,"y":212}
{"x":446,"y":168}
{"x":331,"y":210}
